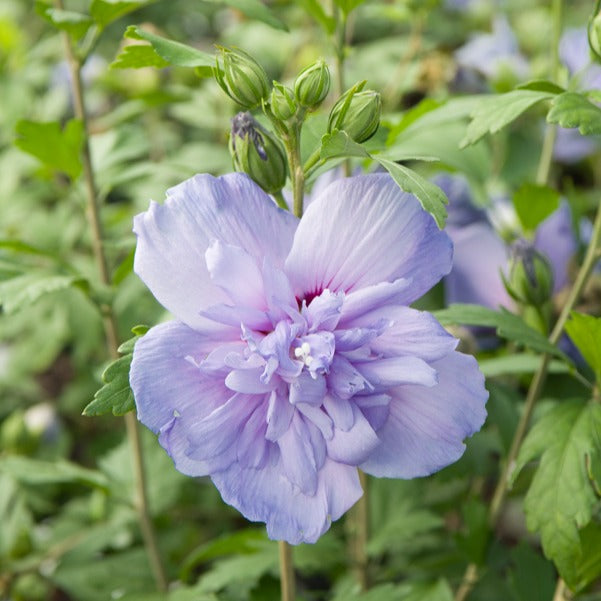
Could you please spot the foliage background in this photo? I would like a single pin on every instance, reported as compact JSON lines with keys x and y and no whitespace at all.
{"x":69,"y":527}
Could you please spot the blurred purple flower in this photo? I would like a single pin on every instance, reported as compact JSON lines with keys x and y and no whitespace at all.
{"x":488,"y":54}
{"x":294,"y":358}
{"x":481,"y":253}
{"x":571,"y":146}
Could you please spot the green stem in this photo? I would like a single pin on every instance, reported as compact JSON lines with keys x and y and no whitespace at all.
{"x":312,"y":161}
{"x":109,"y":319}
{"x":358,"y":531}
{"x":287,"y":585}
{"x":297,"y":175}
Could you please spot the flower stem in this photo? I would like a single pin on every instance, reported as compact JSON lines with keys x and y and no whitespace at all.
{"x":109,"y":319}
{"x":358,"y":526}
{"x":287,"y":586}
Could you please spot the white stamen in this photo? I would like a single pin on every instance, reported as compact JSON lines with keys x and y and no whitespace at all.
{"x":303,"y":352}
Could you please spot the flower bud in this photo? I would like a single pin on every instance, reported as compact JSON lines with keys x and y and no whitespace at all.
{"x":283,"y":105}
{"x":312,"y":84}
{"x":530,"y":279}
{"x":256,"y":152}
{"x":357,"y":112}
{"x":241,"y":77}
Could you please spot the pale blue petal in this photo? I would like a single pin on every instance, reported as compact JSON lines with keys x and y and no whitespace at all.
{"x":355,"y":445}
{"x":362,"y":231}
{"x":173,"y":239}
{"x":266,"y":495}
{"x":426,"y":427}
{"x":480,"y":255}
{"x":393,"y":371}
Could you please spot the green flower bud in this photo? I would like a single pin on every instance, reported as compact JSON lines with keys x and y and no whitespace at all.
{"x":312,"y":84}
{"x":530,"y":279}
{"x":256,"y":152}
{"x":283,"y":105}
{"x":357,"y":112}
{"x":241,"y":77}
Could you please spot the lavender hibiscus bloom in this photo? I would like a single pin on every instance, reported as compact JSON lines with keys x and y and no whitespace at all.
{"x":294,"y":358}
{"x":481,"y":254}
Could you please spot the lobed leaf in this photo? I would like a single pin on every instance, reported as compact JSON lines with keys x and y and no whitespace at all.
{"x":105,"y":12}
{"x":35,"y":471}
{"x":137,"y":56}
{"x":57,"y":148}
{"x":571,"y":109}
{"x":534,"y":203}
{"x":585,"y":332}
{"x":25,"y":289}
{"x":115,"y":396}
{"x":175,"y":53}
{"x":316,"y":10}
{"x":431,"y":197}
{"x":561,"y":498}
{"x":496,"y":111}
{"x":508,"y":325}
{"x":74,"y":23}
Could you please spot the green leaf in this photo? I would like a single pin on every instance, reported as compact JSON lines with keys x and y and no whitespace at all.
{"x":541,"y":85}
{"x":26,"y":289}
{"x":74,"y":23}
{"x":431,"y":197}
{"x":105,"y":12}
{"x":474,"y":541}
{"x":533,"y":576}
{"x":35,"y":471}
{"x":115,"y":396}
{"x":315,"y":9}
{"x":57,"y":149}
{"x":339,"y":144}
{"x":534,"y":203}
{"x":575,"y":110}
{"x":348,"y":6}
{"x":585,"y":332}
{"x":495,"y":112}
{"x":242,"y":571}
{"x":137,"y":56}
{"x":518,"y":363}
{"x":561,"y":498}
{"x":254,"y":9}
{"x":174,"y":53}
{"x":507,"y":324}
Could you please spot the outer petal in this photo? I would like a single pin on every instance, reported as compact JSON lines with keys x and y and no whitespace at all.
{"x":361,"y":231}
{"x":173,"y":239}
{"x":171,"y":391}
{"x":426,"y":426}
{"x":266,"y":495}
{"x":555,"y":238}
{"x":479,"y":256}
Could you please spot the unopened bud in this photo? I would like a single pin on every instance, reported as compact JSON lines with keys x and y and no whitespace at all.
{"x":357,"y":112}
{"x":241,"y":77}
{"x":282,"y":102}
{"x":530,"y":279}
{"x":312,"y":84}
{"x":256,"y":152}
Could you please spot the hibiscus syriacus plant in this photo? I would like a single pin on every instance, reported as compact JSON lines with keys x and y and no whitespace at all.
{"x":294,"y":358}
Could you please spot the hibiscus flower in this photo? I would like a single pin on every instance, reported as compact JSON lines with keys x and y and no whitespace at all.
{"x":294,"y":358}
